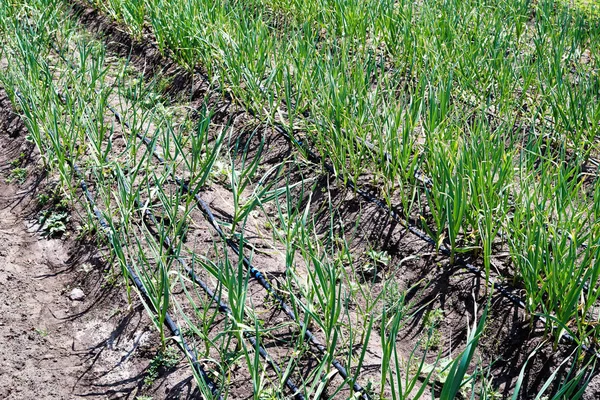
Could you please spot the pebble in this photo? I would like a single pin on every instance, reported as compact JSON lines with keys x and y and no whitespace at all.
{"x":77,"y":294}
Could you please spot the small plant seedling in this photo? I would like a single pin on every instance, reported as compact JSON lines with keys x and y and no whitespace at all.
{"x":165,"y":359}
{"x":440,"y":370}
{"x":54,"y":224}
{"x":432,"y":321}
{"x":220,"y":172}
{"x":87,"y":228}
{"x":43,"y":332}
{"x":55,"y":217}
{"x":18,"y":175}
{"x":368,"y":269}
{"x":268,"y":394}
{"x":393,"y":300}
{"x":110,"y":279}
{"x":114,"y":313}
{"x":18,"y":161}
{"x":43,"y":199}
{"x":378,"y":259}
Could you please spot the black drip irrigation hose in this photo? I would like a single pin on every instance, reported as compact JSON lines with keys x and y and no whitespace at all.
{"x":146,"y":298}
{"x":255,"y":273}
{"x":505,"y":291}
{"x":222,"y":307}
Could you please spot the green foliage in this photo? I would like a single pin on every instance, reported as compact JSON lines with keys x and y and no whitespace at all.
{"x":18,"y":175}
{"x":54,"y":223}
{"x":43,"y":332}
{"x":477,"y":119}
{"x":164,"y":360}
{"x":54,"y":216}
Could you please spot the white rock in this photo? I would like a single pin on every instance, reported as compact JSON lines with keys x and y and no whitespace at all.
{"x":77,"y":294}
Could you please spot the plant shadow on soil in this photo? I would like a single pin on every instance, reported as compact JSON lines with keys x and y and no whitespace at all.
{"x":509,"y":338}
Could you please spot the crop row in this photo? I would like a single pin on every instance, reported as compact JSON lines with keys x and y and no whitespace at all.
{"x":70,"y":125}
{"x":337,"y":71}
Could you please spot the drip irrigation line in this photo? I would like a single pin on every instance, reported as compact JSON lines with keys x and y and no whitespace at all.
{"x":168,"y":245}
{"x":254,"y":272}
{"x":257,"y":274}
{"x":171,"y":325}
{"x":222,"y":307}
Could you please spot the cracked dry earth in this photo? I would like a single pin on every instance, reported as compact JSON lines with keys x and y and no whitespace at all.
{"x":53,"y":347}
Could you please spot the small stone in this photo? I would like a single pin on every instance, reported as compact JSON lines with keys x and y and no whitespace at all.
{"x":86,"y":267}
{"x":77,"y":294}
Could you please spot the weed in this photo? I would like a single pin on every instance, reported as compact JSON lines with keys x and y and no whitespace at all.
{"x":18,"y":175}
{"x":43,"y":199}
{"x":54,"y":223}
{"x":87,"y":229}
{"x":393,"y":301}
{"x":377,"y":260}
{"x":164,"y":360}
{"x":431,"y":321}
{"x":43,"y":332}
